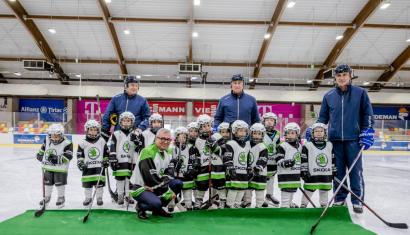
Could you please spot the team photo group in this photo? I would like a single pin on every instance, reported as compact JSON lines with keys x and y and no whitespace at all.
{"x":235,"y":159}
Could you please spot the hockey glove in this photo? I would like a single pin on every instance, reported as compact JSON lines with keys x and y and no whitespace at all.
{"x":287,"y":163}
{"x":81,"y":165}
{"x":334,"y":171}
{"x":54,"y":159}
{"x":305,"y":175}
{"x":257,"y":170}
{"x":230,"y":171}
{"x":39,"y":158}
{"x":366,"y":138}
{"x":105,"y":162}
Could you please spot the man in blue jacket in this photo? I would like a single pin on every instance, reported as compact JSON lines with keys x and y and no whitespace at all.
{"x":237,"y":105}
{"x":127,"y":101}
{"x":348,"y":112}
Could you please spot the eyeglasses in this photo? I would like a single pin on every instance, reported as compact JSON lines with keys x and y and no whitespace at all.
{"x":164,"y":139}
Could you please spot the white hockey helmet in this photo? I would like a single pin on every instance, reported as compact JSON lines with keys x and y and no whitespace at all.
{"x":319,"y":125}
{"x":92,"y":124}
{"x":192,"y":125}
{"x":181,"y":130}
{"x":129,"y":115}
{"x":292,"y":126}
{"x":155,"y":117}
{"x":56,"y":129}
{"x":239,"y":124}
{"x":257,"y":127}
{"x":223,"y":126}
{"x":204,"y":119}
{"x":270,"y":115}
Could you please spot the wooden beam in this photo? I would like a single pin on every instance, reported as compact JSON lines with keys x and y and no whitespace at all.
{"x":280,"y":8}
{"x":358,"y":22}
{"x":20,"y":13}
{"x":204,"y":63}
{"x":394,"y":67}
{"x":211,"y":21}
{"x":113,"y":35}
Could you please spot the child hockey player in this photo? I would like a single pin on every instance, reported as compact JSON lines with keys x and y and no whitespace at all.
{"x":55,"y":155}
{"x":257,"y":161}
{"x":272,"y":140}
{"x":122,"y":150}
{"x":288,"y":158}
{"x":186,"y":154}
{"x":92,"y":158}
{"x":156,"y":122}
{"x":223,"y":130}
{"x":318,"y":165}
{"x":235,"y":158}
{"x":204,"y":145}
{"x":193,"y":132}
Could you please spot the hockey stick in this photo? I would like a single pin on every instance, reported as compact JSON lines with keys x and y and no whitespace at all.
{"x":337,"y":190}
{"x":40,"y":212}
{"x":92,"y":199}
{"x":307,"y":197}
{"x":393,"y":225}
{"x":113,"y":195}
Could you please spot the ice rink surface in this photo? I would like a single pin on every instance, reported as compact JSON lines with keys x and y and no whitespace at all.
{"x":387,"y":179}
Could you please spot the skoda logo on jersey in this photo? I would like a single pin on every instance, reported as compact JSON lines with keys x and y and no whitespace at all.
{"x":207,"y":150}
{"x":43,"y":109}
{"x":297,"y":158}
{"x":251,"y":158}
{"x":321,"y":160}
{"x":51,"y":151}
{"x":93,"y":153}
{"x":243,"y":159}
{"x":161,"y":172}
{"x":126,"y":147}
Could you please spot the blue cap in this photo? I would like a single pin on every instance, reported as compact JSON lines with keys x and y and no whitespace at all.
{"x":343,"y":68}
{"x":237,"y":77}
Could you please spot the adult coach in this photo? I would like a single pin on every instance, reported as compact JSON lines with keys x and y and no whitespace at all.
{"x":153,"y":185}
{"x":348,"y":111}
{"x":130,"y":101}
{"x":237,"y":105}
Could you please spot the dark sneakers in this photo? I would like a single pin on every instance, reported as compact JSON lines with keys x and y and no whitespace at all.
{"x":358,"y":209}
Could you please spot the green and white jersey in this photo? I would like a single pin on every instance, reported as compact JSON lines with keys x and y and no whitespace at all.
{"x":184,"y":155}
{"x":92,"y":154}
{"x":151,"y":164}
{"x":319,"y":163}
{"x":254,"y":154}
{"x":290,"y":177}
{"x":124,"y":147}
{"x":205,"y":155}
{"x":271,"y":143}
{"x":149,"y":137}
{"x":240,"y":162}
{"x":61,"y":149}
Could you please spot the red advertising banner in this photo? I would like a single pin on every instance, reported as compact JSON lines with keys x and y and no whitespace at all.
{"x":204,"y":108}
{"x":168,"y":108}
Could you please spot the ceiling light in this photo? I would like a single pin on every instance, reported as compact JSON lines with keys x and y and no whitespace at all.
{"x":291,"y":4}
{"x":138,"y":76}
{"x":267,"y":35}
{"x":366,"y":83}
{"x":309,"y":81}
{"x":78,"y":75}
{"x":385,"y":4}
{"x":195,"y":34}
{"x":194,"y":78}
{"x":338,"y":37}
{"x":17,"y":74}
{"x":408,"y":40}
{"x":197,"y":2}
{"x":108,"y":1}
{"x":51,"y":30}
{"x":127,"y":31}
{"x":12,"y":0}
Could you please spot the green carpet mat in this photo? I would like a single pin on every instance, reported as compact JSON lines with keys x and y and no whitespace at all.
{"x":227,"y":221}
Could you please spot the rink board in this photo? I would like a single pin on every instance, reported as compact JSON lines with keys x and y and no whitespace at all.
{"x":227,"y":221}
